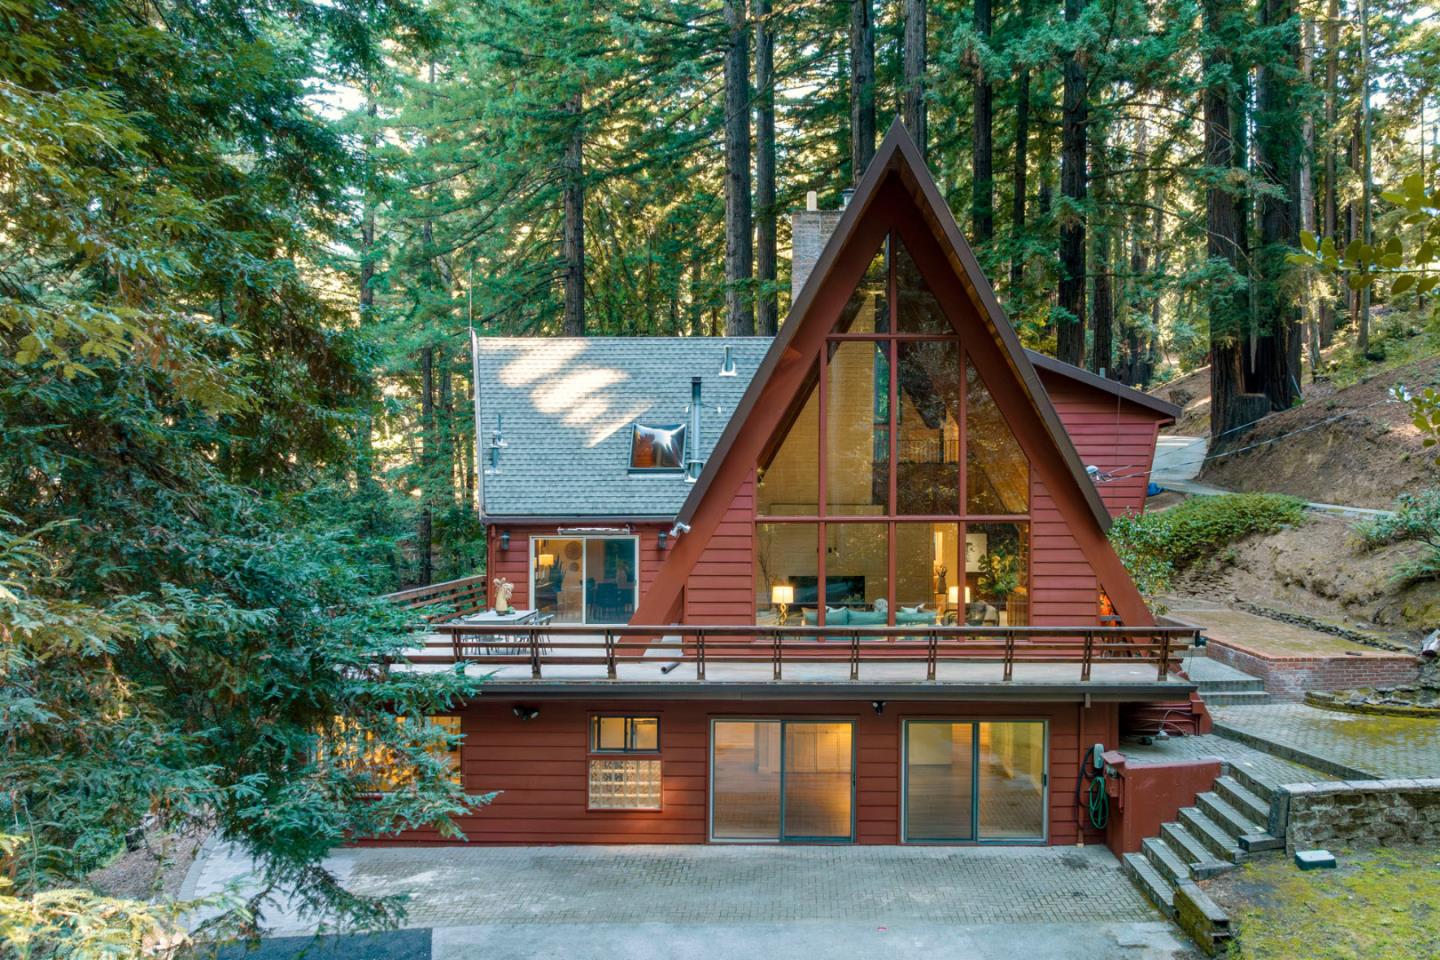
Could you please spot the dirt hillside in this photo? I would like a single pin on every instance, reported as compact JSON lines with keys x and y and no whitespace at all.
{"x":1320,"y":569}
{"x":1354,"y":446}
{"x":1350,"y":445}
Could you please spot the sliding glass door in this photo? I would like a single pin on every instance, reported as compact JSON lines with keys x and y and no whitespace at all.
{"x":584,"y":579}
{"x":782,"y":780}
{"x":968,"y":780}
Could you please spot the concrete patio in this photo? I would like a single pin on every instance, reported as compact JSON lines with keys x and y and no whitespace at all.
{"x":727,"y":901}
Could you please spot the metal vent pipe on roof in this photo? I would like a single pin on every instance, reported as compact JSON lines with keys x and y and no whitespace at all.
{"x":692,"y":439}
{"x":727,"y":366}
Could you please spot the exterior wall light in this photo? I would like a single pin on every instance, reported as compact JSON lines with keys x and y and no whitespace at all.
{"x":504,"y":539}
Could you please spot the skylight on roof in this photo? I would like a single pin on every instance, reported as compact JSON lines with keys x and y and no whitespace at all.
{"x":658,"y":448}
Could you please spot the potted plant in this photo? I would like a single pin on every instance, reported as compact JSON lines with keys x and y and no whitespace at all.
{"x":999,"y":578}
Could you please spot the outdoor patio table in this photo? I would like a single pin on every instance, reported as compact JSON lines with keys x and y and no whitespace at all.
{"x":485,"y":617}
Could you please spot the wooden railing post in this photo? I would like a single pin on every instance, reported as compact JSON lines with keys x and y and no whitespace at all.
{"x":1089,"y":655}
{"x":1164,"y":655}
{"x":699,"y":653}
{"x":932,"y":644}
{"x":610,"y":654}
{"x":775,"y":654}
{"x":535,"y":654}
{"x":854,"y":656}
{"x":1009,"y":656}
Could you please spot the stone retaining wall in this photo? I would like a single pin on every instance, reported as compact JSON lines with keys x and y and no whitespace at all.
{"x":1288,"y":678}
{"x":1357,"y":813}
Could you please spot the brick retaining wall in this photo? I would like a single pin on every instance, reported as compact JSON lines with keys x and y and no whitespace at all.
{"x":1288,"y":678}
{"x":1357,"y":813}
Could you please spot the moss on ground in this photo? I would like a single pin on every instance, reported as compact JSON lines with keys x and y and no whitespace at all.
{"x":1376,"y":905}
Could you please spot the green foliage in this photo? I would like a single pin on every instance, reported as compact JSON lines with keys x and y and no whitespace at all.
{"x":1416,"y":520}
{"x":1425,"y":414}
{"x":1154,"y":546}
{"x":1000,"y":574}
{"x":78,"y":924}
{"x":191,"y":529}
{"x":1399,"y":255}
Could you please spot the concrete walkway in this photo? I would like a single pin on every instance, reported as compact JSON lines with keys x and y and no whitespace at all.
{"x":727,"y":901}
{"x":1348,"y":744}
{"x":1178,"y":458}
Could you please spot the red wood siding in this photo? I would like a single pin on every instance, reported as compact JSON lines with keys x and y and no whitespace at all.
{"x":541,"y":767}
{"x":721,"y":587}
{"x":1063,"y":588}
{"x":1109,"y":433}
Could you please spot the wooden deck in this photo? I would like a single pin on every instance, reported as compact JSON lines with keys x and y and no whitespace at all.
{"x":718,"y":655}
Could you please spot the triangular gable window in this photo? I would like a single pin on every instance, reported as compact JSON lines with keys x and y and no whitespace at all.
{"x":862,"y":511}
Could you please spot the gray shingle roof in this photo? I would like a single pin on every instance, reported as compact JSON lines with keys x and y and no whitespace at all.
{"x":569,"y":403}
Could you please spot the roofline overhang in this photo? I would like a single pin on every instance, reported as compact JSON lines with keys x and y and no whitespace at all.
{"x":1113,"y":387}
{"x":779,"y":690}
{"x":501,"y":519}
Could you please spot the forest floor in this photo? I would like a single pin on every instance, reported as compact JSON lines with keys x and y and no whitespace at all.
{"x":1348,"y":443}
{"x":1376,"y":903}
{"x":156,"y":868}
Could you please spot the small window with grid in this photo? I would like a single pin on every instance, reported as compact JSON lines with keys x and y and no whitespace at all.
{"x":621,"y":777}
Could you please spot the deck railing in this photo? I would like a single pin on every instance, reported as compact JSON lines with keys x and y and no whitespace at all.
{"x":670,"y":647}
{"x":443,"y":601}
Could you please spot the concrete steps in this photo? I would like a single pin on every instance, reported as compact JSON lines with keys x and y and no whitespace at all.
{"x":1152,"y":885}
{"x":1234,"y":698}
{"x":1221,"y":686}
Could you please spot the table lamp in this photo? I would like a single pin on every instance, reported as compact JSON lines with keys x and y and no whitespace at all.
{"x":782,"y":595}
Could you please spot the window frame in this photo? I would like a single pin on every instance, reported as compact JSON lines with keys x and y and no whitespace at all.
{"x":823,"y":515}
{"x":595,"y":754}
{"x":594,"y":747}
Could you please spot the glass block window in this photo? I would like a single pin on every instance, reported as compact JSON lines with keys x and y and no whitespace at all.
{"x":624,"y":783}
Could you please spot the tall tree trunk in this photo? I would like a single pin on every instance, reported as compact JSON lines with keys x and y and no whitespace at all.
{"x":1362,"y":328}
{"x":573,"y":239}
{"x":739,"y":302}
{"x":769,"y":305}
{"x":1280,"y":143}
{"x":1017,"y":208}
{"x":1070,"y":332}
{"x":913,"y":108}
{"x":426,"y":533}
{"x":982,"y":202}
{"x":1102,"y":314}
{"x":367,"y":219}
{"x":1332,"y":116}
{"x":1307,"y":192}
{"x":862,"y":86}
{"x":1224,"y":228}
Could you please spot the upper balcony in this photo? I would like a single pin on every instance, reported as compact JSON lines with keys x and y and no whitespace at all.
{"x":727,"y":661}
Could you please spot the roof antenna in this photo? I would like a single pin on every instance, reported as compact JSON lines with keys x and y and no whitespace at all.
{"x":727,"y":366}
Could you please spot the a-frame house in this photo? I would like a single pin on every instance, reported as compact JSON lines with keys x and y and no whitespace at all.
{"x":849,"y":585}
{"x":897,"y":250}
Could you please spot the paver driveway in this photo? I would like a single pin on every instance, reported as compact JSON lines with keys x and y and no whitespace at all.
{"x":731,"y":901}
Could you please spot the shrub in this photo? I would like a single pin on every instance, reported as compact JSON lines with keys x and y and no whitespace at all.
{"x":1155,"y":545}
{"x":1416,"y":520}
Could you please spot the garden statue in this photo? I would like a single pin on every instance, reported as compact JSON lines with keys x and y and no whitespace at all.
{"x":503,"y":589}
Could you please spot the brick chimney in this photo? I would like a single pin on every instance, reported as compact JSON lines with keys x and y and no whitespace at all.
{"x":809,"y":230}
